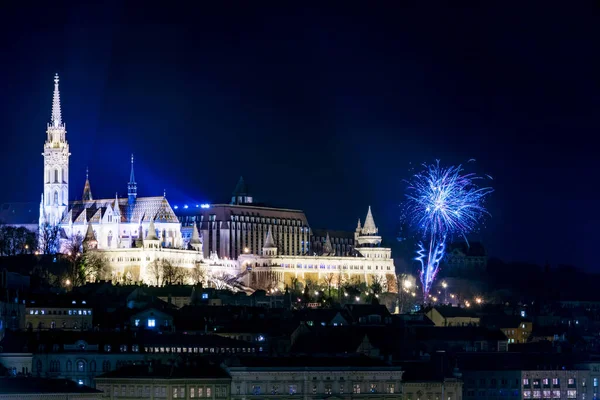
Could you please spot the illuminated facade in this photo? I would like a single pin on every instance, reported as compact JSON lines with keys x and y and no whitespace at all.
{"x":370,"y":263}
{"x":129,"y":232}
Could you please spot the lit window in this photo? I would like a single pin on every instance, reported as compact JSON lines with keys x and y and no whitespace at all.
{"x":255,"y":389}
{"x":293,"y":389}
{"x":192,"y":392}
{"x":80,"y":381}
{"x":391,"y":388}
{"x":137,"y":322}
{"x":207,"y":392}
{"x":151,"y":323}
{"x":571,"y":394}
{"x":595,"y":382}
{"x":356,"y":388}
{"x":373,"y":388}
{"x":205,"y":295}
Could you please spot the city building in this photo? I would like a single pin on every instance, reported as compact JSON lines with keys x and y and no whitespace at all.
{"x":516,"y":329}
{"x":230,"y":230}
{"x":269,"y":269}
{"x":154,"y":380}
{"x":314,"y":377}
{"x":58,"y":313}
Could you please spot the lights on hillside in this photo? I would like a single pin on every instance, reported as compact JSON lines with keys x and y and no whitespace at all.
{"x":204,"y":205}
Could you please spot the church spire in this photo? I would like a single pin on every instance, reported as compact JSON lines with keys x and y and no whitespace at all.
{"x":56,"y":120}
{"x":87,"y":190}
{"x":131,"y":186}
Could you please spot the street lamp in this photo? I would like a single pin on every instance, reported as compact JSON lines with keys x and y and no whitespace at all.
{"x":246,"y":250}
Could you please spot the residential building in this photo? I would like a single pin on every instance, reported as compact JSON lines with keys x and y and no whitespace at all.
{"x":516,"y":329}
{"x":58,"y":312}
{"x":313,"y":378}
{"x":452,"y":316}
{"x":198,"y":379}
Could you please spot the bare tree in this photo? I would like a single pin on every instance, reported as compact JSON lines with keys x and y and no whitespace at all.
{"x":198,"y":273}
{"x":172,"y":274}
{"x":166,"y":273}
{"x":95,"y":267}
{"x":155,"y":270}
{"x":376,"y":285}
{"x":329,"y":281}
{"x":48,"y":238}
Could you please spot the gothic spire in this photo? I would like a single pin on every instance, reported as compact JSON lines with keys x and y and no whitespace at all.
{"x":87,"y":190}
{"x":369,"y":227}
{"x":56,"y":119}
{"x":358,"y":227}
{"x":131,"y":186}
{"x":131,"y":175}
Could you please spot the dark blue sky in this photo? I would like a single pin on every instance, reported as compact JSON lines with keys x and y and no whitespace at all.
{"x":321,"y":109}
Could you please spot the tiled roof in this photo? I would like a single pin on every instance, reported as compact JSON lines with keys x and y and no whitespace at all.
{"x":144,"y":209}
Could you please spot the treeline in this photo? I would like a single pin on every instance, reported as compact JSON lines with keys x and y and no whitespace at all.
{"x":17,"y":240}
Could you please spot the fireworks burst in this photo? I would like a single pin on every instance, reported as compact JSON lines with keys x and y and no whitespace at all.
{"x":442,"y":202}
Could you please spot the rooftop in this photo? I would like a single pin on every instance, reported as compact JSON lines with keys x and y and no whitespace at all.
{"x":42,"y":386}
{"x":197,"y":369}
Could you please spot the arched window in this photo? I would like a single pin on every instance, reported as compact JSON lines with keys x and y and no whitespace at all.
{"x":110,"y":236}
{"x":55,"y":197}
{"x":80,"y":366}
{"x":38,"y":366}
{"x":106,"y":366}
{"x":64,"y":175}
{"x":56,"y":176}
{"x":69,"y":366}
{"x":93,"y":366}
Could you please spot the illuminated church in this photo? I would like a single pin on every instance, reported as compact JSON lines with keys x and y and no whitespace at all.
{"x":130,"y":232}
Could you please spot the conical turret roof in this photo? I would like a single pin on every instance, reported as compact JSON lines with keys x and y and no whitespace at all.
{"x":151,"y":232}
{"x":269,"y":242}
{"x":369,"y":227}
{"x":195,"y":235}
{"x":89,"y":234}
{"x":327,"y":247}
{"x":241,"y":188}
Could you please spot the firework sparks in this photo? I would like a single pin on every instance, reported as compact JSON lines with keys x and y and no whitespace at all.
{"x":442,"y":202}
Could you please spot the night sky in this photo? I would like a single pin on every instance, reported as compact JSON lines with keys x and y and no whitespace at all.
{"x":321,"y":109}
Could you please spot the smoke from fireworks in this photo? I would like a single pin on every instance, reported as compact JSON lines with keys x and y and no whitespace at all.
{"x":442,"y":202}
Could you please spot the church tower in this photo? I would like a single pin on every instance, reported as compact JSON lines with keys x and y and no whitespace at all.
{"x":55,"y":199}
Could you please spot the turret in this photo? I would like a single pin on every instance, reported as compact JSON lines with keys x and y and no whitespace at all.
{"x":269,"y":248}
{"x":151,"y":241}
{"x":195,"y":242}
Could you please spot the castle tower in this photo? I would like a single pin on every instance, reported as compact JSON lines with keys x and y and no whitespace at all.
{"x":269,"y":248}
{"x":55,"y":198}
{"x":368,"y":235}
